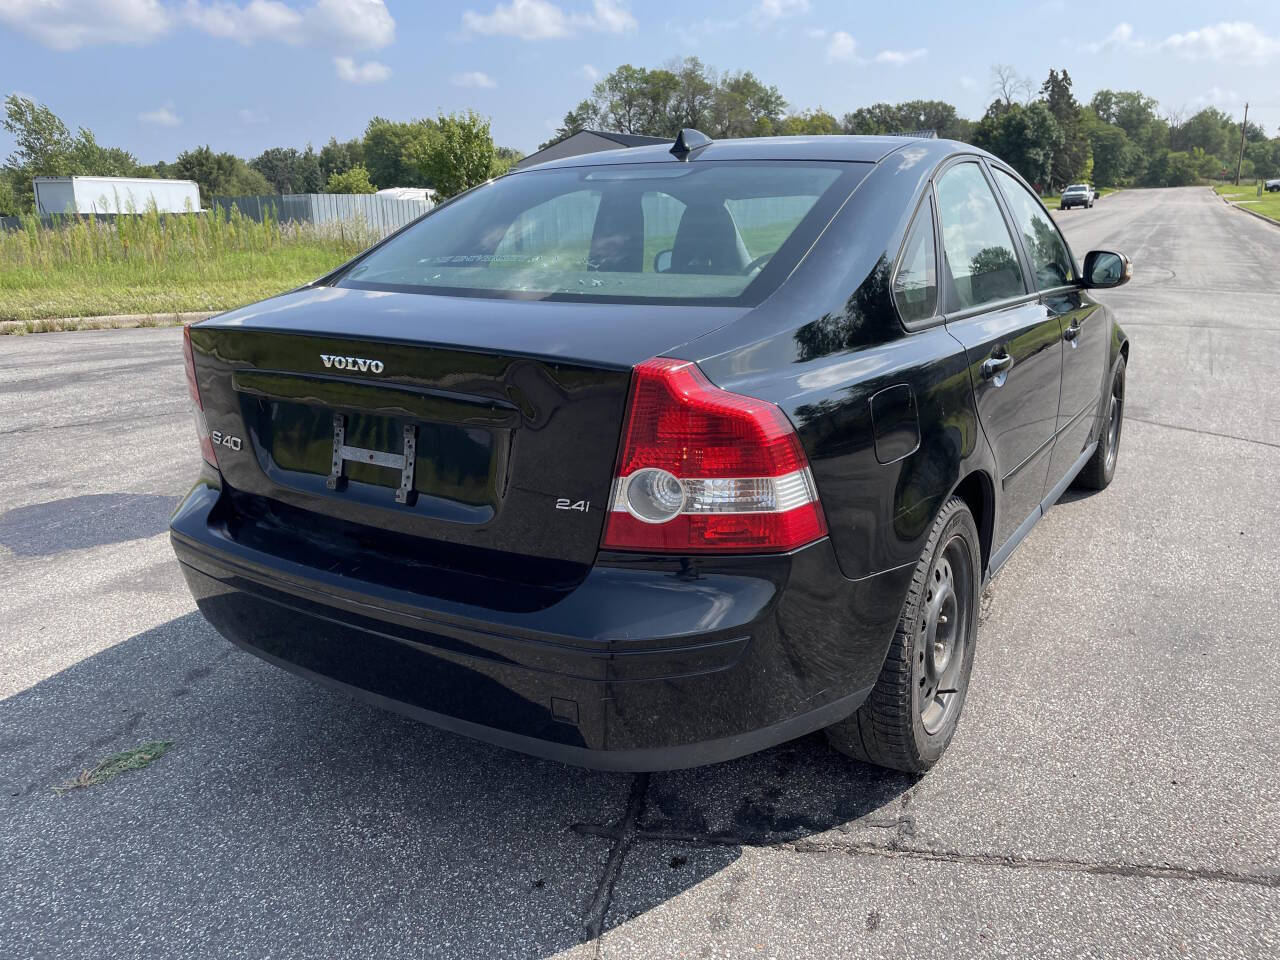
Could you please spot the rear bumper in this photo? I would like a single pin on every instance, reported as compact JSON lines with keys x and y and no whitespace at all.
{"x":650,"y":663}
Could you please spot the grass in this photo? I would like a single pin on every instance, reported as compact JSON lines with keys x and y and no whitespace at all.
{"x":134,"y":759}
{"x":158,"y":264}
{"x":1247,"y":196}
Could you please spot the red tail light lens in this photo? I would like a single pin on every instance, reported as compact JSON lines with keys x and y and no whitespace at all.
{"x":703,"y":470}
{"x":202,"y":428}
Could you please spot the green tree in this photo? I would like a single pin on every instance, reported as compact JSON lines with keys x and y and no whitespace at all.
{"x":306,"y":172}
{"x":1264,"y":155}
{"x":1026,"y":138}
{"x":336,"y":157}
{"x":43,"y":142}
{"x":389,"y":146}
{"x":912,"y":115}
{"x":46,"y":148}
{"x":810,"y":123}
{"x":1113,"y":154}
{"x":743,"y":106}
{"x":1181,"y":169}
{"x":693,"y":96}
{"x":1074,"y":158}
{"x":353,"y":180}
{"x":9,"y":206}
{"x":504,"y":158}
{"x":583,"y":117}
{"x":289,"y":171}
{"x":1210,"y":130}
{"x":460,"y":155}
{"x":684,"y":93}
{"x":218,"y":174}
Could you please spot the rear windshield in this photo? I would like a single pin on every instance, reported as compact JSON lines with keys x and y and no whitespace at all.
{"x":715,"y":232}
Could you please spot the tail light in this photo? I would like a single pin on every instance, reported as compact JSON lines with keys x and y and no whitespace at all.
{"x":202,"y":428}
{"x":703,"y":470}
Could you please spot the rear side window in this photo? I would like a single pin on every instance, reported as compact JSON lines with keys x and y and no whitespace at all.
{"x":915,"y":287}
{"x":978,"y":247}
{"x":1050,"y":260}
{"x":716,"y":232}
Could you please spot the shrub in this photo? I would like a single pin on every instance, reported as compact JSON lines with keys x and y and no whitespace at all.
{"x":355,"y":180}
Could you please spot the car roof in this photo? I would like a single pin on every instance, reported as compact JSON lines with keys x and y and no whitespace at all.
{"x":823,"y":148}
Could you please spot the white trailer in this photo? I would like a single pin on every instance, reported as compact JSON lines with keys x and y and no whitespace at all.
{"x":61,"y":195}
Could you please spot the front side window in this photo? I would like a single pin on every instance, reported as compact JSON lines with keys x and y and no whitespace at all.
{"x":1050,"y":261}
{"x":979,"y":249}
{"x":709,"y":232}
{"x":915,"y":287}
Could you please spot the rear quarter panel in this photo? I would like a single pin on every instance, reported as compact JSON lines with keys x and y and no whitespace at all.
{"x":827,"y":342}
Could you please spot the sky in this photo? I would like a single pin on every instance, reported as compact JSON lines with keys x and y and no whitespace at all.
{"x":159,"y":76}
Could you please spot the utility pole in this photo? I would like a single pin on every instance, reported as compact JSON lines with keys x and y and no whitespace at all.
{"x":1244,"y":125}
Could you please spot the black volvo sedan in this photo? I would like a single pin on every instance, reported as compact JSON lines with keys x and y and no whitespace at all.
{"x":657,"y":457}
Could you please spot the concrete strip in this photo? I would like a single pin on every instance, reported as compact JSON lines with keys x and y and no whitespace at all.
{"x":117,"y":322}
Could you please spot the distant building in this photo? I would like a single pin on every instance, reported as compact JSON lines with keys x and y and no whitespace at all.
{"x":916,"y":134}
{"x":80,"y":195}
{"x":587,"y":141}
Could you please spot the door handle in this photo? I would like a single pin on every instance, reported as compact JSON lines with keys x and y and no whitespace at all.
{"x":1072,"y":331}
{"x":996,"y":365}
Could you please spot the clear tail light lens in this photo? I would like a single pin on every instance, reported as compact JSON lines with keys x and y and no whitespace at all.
{"x":202,"y":428}
{"x":703,"y":470}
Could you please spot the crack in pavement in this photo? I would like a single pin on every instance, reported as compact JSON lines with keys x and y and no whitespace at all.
{"x":623,"y":835}
{"x":626,"y":833}
{"x":1207,"y":433}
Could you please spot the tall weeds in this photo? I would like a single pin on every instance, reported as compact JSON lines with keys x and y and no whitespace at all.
{"x":154,"y":262}
{"x":153,"y":242}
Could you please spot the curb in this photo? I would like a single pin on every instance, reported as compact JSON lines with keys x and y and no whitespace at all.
{"x":1253,"y":213}
{"x":118,"y":322}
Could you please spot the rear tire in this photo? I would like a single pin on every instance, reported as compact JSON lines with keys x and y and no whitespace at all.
{"x":1101,"y":468}
{"x":911,"y":714}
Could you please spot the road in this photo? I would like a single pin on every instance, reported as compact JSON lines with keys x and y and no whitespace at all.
{"x":1112,"y":790}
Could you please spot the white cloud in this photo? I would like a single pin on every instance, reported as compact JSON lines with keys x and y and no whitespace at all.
{"x":968,"y":83}
{"x":1218,"y":97}
{"x":589,"y":73}
{"x":345,"y":24}
{"x":1227,"y":42}
{"x":72,"y":24}
{"x":767,"y":11}
{"x":473,"y":78}
{"x":900,"y":58}
{"x":256,"y":20}
{"x":253,"y":115}
{"x":161,"y":116}
{"x":841,"y":46}
{"x":542,"y":20}
{"x":369,"y":72}
{"x":1120,"y":38}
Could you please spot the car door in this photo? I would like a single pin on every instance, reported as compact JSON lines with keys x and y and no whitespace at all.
{"x":1082,"y":324}
{"x":1012,"y":343}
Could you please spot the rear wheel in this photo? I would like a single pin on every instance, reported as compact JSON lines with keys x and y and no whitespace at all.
{"x":1098,"y":472}
{"x":909,"y":718}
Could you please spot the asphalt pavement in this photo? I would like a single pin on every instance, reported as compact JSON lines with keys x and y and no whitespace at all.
{"x":1113,"y":789}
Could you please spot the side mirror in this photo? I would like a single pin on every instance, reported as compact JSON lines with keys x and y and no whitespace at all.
{"x":662,"y":261}
{"x":1103,"y":269}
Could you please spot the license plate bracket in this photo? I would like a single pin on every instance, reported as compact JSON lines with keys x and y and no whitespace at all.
{"x":344,"y":453}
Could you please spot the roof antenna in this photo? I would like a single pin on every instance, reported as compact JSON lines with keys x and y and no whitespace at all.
{"x":687,"y":141}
